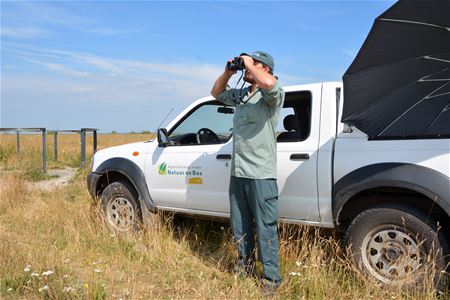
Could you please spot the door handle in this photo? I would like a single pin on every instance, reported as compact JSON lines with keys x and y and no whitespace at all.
{"x":299,"y":156}
{"x":223,"y":156}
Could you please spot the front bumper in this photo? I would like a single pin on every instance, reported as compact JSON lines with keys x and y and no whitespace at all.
{"x":92,"y":180}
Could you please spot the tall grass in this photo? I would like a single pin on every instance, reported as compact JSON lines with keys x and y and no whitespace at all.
{"x":55,"y":245}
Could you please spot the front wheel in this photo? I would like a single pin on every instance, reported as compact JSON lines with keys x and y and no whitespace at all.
{"x":120,"y":207}
{"x":397,"y":245}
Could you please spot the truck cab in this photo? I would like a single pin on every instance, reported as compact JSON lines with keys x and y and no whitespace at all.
{"x":190,"y":171}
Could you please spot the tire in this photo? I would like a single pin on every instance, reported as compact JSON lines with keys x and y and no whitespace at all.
{"x":397,"y":246}
{"x":120,"y":206}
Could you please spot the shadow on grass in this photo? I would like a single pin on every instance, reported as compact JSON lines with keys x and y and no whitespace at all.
{"x":209,"y":240}
{"x":212,"y":241}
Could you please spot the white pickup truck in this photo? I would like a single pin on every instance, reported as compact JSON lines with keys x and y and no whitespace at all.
{"x":391,"y":198}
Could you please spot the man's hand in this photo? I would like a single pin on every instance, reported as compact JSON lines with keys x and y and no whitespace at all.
{"x":248,"y":61}
{"x":221,"y":83}
{"x":228,"y":71}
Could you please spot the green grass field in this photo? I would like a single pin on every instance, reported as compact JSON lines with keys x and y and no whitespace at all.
{"x":55,"y":245}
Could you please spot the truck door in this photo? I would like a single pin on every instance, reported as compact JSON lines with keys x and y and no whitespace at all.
{"x":297,"y":155}
{"x":194,"y":172}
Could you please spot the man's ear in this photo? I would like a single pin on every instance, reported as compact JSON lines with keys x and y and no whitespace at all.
{"x":268,"y":70}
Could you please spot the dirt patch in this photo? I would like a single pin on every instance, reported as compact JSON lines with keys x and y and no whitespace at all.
{"x":61,"y":178}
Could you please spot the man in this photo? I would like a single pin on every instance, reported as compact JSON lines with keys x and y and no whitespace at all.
{"x":253,"y":188}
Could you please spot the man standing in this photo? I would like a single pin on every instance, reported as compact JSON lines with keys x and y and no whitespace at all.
{"x":253,"y":188}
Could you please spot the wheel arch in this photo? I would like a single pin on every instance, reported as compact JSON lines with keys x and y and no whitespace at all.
{"x":414,"y":185}
{"x":117,"y":169}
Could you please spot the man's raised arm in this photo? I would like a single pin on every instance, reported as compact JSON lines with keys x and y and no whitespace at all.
{"x":221,"y":82}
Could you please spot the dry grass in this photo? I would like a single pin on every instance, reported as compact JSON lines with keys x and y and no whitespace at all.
{"x":55,"y":245}
{"x":30,"y":160}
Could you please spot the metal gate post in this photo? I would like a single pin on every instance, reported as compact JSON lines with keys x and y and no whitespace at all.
{"x":95,"y":140}
{"x":44,"y":150}
{"x":55,"y":145}
{"x":83,"y":147}
{"x":18,"y":143}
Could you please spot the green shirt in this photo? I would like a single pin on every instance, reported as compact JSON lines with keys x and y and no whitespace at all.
{"x":254,"y":131}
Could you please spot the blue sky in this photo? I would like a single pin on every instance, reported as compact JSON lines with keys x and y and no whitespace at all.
{"x":122,"y":65}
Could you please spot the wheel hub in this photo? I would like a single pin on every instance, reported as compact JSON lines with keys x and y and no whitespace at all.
{"x":120,"y":213}
{"x":391,"y":255}
{"x":392,"y":251}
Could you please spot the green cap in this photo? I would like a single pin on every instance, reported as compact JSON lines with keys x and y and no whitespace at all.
{"x":263,"y":57}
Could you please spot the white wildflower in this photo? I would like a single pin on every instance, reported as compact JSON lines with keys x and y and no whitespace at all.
{"x":27,"y":269}
{"x":9,"y":290}
{"x":66,"y":276}
{"x":222,"y":228}
{"x":298,"y":263}
{"x":97,"y":271}
{"x":44,"y":288}
{"x":294,"y":274}
{"x":47,"y":273}
{"x":35,"y":274}
{"x":68,"y":289}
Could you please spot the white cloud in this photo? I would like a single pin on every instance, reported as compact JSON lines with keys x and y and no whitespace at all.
{"x":105,"y":31}
{"x":23,"y":32}
{"x":66,"y":75}
{"x":110,"y":80}
{"x":44,"y":17}
{"x":286,"y":79}
{"x":39,"y":12}
{"x":81,"y":89}
{"x":118,"y":67}
{"x":78,"y":64}
{"x":64,"y":70}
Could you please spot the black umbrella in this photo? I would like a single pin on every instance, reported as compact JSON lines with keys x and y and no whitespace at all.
{"x":398,"y":86}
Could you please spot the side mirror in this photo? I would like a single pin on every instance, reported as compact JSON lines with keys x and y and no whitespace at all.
{"x":225,"y":110}
{"x":163,"y":137}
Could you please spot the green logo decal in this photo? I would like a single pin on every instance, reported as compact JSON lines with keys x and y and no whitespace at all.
{"x":162,"y":169}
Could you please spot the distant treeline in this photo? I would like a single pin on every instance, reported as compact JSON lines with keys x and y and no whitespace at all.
{"x":133,"y":132}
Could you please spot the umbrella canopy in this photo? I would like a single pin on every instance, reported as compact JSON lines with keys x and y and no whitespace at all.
{"x":398,"y":86}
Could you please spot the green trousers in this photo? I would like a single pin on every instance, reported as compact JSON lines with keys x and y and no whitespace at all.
{"x":254,"y":206}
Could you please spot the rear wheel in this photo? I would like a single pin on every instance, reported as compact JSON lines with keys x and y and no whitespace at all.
{"x":120,"y":206}
{"x":397,"y":246}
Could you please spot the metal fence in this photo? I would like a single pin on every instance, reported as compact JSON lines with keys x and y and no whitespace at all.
{"x":55,"y":133}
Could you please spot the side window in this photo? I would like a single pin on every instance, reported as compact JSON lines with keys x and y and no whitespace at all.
{"x":210,"y":123}
{"x":285,"y":111}
{"x":294,"y":124}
